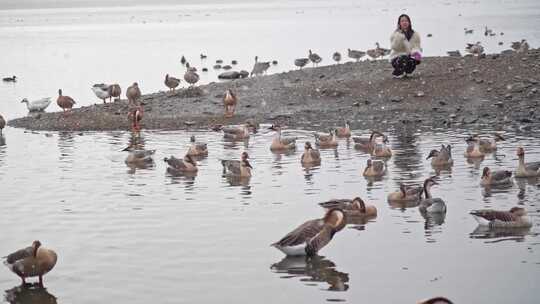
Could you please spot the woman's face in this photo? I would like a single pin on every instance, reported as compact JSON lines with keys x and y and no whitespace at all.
{"x":404,"y":23}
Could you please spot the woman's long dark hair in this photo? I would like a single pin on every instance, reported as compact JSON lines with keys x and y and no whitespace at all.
{"x":408,"y":33}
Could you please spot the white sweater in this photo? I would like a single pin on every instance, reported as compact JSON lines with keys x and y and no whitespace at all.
{"x":401,"y":46}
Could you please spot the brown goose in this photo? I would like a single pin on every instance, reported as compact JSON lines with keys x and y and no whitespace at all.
{"x":187,"y":164}
{"x":337,"y":57}
{"x":229,"y":102}
{"x":354,"y":207}
{"x":355,"y":54}
{"x":2,"y":123}
{"x":315,"y":58}
{"x":171,"y":82}
{"x":442,"y":157}
{"x":32,"y":261}
{"x":406,"y":194}
{"x":133,"y":94}
{"x":197,"y":148}
{"x":513,"y":218}
{"x":312,"y":236}
{"x":436,"y":300}
{"x":310,"y":155}
{"x":259,"y":68}
{"x":139,"y":156}
{"x":473,"y":149}
{"x":495,"y":178}
{"x":236,"y":133}
{"x":326,"y":140}
{"x":382,"y":149}
{"x":367,"y":144}
{"x":64,"y":102}
{"x":135,"y":116}
{"x":280,"y":143}
{"x":114,"y":91}
{"x":344,"y":131}
{"x":374,"y":168}
{"x":531,"y":169}
{"x":487,"y":145}
{"x":191,"y":76}
{"x":301,"y":62}
{"x":238,"y":168}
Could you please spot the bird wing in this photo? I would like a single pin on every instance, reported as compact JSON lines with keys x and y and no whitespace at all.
{"x":492,"y":215}
{"x":320,"y":240}
{"x":301,"y":234}
{"x":501,"y":175}
{"x":232,"y":130}
{"x":232,"y":166}
{"x":533,"y":166}
{"x":20,"y":255}
{"x":344,"y":204}
{"x":288,"y":140}
{"x":378,"y":166}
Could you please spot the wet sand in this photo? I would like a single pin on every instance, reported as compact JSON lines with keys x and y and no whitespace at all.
{"x":499,"y":90}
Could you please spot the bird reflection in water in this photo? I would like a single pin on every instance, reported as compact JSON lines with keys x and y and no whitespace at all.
{"x":29,"y":294}
{"x":316,"y":269}
{"x":503,"y":234}
{"x":309,"y":171}
{"x":2,"y":141}
{"x":475,"y":161}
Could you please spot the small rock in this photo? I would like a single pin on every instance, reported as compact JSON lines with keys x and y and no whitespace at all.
{"x":489,"y":89}
{"x":475,"y":71}
{"x":321,"y":76}
{"x":243,"y":74}
{"x":205,"y":69}
{"x":429,"y":35}
{"x":453,"y":116}
{"x":189,"y":123}
{"x":490,"y":82}
{"x":495,"y":56}
{"x":499,"y":104}
{"x":229,"y":75}
{"x":396,"y":99}
{"x":356,"y":104}
{"x":420,"y":94}
{"x":227,"y":67}
{"x":525,"y":120}
{"x":508,"y":96}
{"x":442,"y":103}
{"x":479,"y":80}
{"x":274,"y":62}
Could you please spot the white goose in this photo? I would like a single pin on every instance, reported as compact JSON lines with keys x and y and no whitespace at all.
{"x":102,"y":91}
{"x":37,"y":105}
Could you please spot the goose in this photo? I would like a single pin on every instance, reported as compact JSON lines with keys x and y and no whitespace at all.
{"x":259,"y":68}
{"x":2,"y":123}
{"x":436,"y":300}
{"x":455,"y":53}
{"x":32,"y":261}
{"x":344,"y":131}
{"x":10,"y":79}
{"x":355,"y":54}
{"x":101,"y":91}
{"x":473,"y":149}
{"x":374,"y":168}
{"x":382,"y":51}
{"x":176,"y":165}
{"x":301,"y":62}
{"x":229,"y":102}
{"x":139,"y":156}
{"x":520,"y":46}
{"x":183,"y":60}
{"x":326,"y":140}
{"x":516,"y":217}
{"x":488,"y":144}
{"x":135,"y":116}
{"x":238,"y":168}
{"x":442,"y":157}
{"x":530,"y":169}
{"x":373,"y":53}
{"x":475,"y":49}
{"x":495,"y":178}
{"x":191,"y":77}
{"x":310,"y":155}
{"x":310,"y":237}
{"x":351,"y":207}
{"x":171,"y":82}
{"x":197,"y":148}
{"x":315,"y":58}
{"x":37,"y":105}
{"x":337,"y":57}
{"x":382,"y":149}
{"x":236,"y":133}
{"x":406,"y":194}
{"x":280,"y":143}
{"x":430,"y":204}
{"x":133,"y":94}
{"x":64,"y":102}
{"x":114,"y":91}
{"x":367,"y":143}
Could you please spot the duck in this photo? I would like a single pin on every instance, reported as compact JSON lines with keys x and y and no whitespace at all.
{"x":314,"y":58}
{"x":310,"y":156}
{"x":436,"y":300}
{"x":197,"y":148}
{"x":520,"y":46}
{"x":373,"y":53}
{"x":374,"y":168}
{"x":133,"y":94}
{"x":101,"y":91}
{"x":187,"y":164}
{"x":259,"y":68}
{"x":488,"y":144}
{"x":301,"y":62}
{"x":355,"y":54}
{"x":382,"y":51}
{"x":382,"y":149}
{"x":495,"y":178}
{"x":32,"y":261}
{"x":337,"y":57}
{"x":191,"y":76}
{"x":344,"y":131}
{"x":530,"y":169}
{"x":64,"y":102}
{"x":351,"y":207}
{"x":367,"y":143}
{"x":310,"y":237}
{"x":430,"y":204}
{"x":238,"y":168}
{"x":516,"y":217}
{"x":10,"y":79}
{"x":171,"y":82}
{"x":442,"y":157}
{"x":406,"y":194}
{"x":114,"y":91}
{"x":326,"y":140}
{"x":139,"y":156}
{"x":229,"y":102}
{"x":236,"y":133}
{"x":135,"y":116}
{"x":473,"y":149}
{"x":37,"y":105}
{"x":475,"y":49}
{"x":280,"y":143}
{"x":2,"y":123}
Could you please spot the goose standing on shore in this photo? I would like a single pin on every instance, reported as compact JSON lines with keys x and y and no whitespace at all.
{"x":197,"y":148}
{"x":475,"y":49}
{"x":310,"y":237}
{"x":301,"y":62}
{"x":495,"y":178}
{"x":520,"y":46}
{"x":64,"y":102}
{"x":351,"y":207}
{"x":114,"y":91}
{"x":171,"y":82}
{"x":431,"y":204}
{"x":315,"y":58}
{"x":442,"y":157}
{"x":37,"y":105}
{"x":2,"y":123}
{"x":229,"y":102}
{"x":355,"y":54}
{"x":101,"y":91}
{"x":10,"y":79}
{"x":237,"y":168}
{"x":191,"y":76}
{"x":259,"y":68}
{"x":177,"y":165}
{"x":310,"y":155}
{"x":516,"y":217}
{"x":32,"y":261}
{"x":530,"y":169}
{"x":382,"y":51}
{"x":280,"y":143}
{"x":337,"y":57}
{"x":133,"y":94}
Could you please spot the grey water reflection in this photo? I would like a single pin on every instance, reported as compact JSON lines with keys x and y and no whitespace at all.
{"x":503,"y":234}
{"x":312,"y":271}
{"x":29,"y":294}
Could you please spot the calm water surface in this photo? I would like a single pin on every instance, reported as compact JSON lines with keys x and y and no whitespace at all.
{"x":136,"y":235}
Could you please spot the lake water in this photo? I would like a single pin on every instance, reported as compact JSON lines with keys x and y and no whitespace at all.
{"x":133,"y":236}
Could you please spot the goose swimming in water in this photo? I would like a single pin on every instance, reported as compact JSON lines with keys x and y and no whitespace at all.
{"x":310,"y":237}
{"x":530,"y":169}
{"x":367,"y":144}
{"x":197,"y":148}
{"x":37,"y":105}
{"x":176,"y":165}
{"x":495,"y":178}
{"x":516,"y":217}
{"x":310,"y":155}
{"x":10,"y":79}
{"x":280,"y":143}
{"x":344,"y":131}
{"x":238,"y":168}
{"x":351,"y":207}
{"x":487,"y":145}
{"x":326,"y":140}
{"x":236,"y":133}
{"x":406,"y":194}
{"x":32,"y":261}
{"x":431,"y":204}
{"x":473,"y":149}
{"x":374,"y":168}
{"x":139,"y":156}
{"x":442,"y":157}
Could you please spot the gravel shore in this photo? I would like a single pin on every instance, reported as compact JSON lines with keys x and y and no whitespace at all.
{"x":499,"y":90}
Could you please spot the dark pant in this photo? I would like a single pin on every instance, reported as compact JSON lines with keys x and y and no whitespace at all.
{"x":404,"y":64}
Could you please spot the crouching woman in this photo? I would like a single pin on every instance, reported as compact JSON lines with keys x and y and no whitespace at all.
{"x":406,"y":50}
